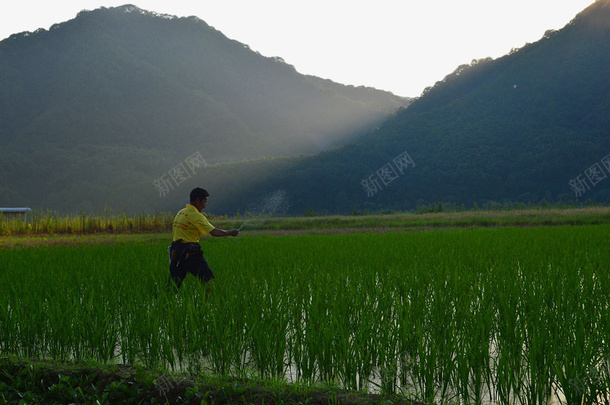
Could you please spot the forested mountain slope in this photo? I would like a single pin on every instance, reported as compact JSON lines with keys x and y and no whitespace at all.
{"x":97,"y":108}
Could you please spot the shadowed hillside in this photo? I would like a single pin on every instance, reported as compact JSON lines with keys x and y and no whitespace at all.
{"x":531,"y":126}
{"x":97,"y":108}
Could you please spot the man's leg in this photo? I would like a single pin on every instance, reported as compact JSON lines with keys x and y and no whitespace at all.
{"x":176,"y":273}
{"x":177,"y":267}
{"x":198,"y":266}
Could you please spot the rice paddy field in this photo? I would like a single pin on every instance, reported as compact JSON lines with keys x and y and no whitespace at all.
{"x":507,"y":315}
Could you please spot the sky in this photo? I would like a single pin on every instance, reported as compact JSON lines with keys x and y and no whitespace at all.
{"x":402,"y":46}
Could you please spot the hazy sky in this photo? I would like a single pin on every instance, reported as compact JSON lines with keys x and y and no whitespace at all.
{"x":398,"y":45}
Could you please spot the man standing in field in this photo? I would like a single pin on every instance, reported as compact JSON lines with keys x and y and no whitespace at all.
{"x":185,"y":252}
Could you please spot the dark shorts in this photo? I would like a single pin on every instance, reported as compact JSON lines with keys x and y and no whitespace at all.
{"x":188,"y":258}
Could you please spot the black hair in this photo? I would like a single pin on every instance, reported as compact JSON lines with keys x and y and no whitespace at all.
{"x":198,"y":194}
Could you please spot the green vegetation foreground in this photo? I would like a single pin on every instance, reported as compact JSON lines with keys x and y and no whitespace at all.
{"x":507,"y":314}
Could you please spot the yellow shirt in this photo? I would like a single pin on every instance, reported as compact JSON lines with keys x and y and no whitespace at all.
{"x":190,"y":224}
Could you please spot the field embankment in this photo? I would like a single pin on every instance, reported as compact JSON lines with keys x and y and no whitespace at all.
{"x":46,"y":224}
{"x":51,"y":382}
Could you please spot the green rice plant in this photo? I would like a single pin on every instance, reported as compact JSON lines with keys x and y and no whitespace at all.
{"x":365,"y":329}
{"x":574,"y":342}
{"x":30,"y":325}
{"x":475,"y":339}
{"x":511,"y":315}
{"x":387,"y":354}
{"x":509,"y":333}
{"x":267,"y":329}
{"x":7,"y":327}
{"x":61,"y":317}
{"x":227,"y":344}
{"x":356,"y":302}
{"x":320,"y":331}
{"x":298,"y":339}
{"x":580,"y":366}
{"x":601,"y":389}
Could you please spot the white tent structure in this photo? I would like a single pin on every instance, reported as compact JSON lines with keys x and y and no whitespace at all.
{"x":24,"y":211}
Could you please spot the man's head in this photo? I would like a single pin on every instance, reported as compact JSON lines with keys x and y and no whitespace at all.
{"x":199,"y":198}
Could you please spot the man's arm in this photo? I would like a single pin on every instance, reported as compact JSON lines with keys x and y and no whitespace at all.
{"x":221,"y":232}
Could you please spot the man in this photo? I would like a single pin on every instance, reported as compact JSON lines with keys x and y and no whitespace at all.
{"x":185,"y":252}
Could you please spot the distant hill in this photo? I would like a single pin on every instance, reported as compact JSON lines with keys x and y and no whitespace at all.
{"x":531,"y":126}
{"x":98,"y":108}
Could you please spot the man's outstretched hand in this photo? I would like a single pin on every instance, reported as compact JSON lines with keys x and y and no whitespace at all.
{"x":221,"y":232}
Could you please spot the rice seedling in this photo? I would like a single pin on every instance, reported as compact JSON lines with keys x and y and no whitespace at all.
{"x":508,"y":315}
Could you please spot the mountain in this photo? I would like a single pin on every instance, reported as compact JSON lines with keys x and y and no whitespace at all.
{"x":97,"y":109}
{"x":531,"y":126}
